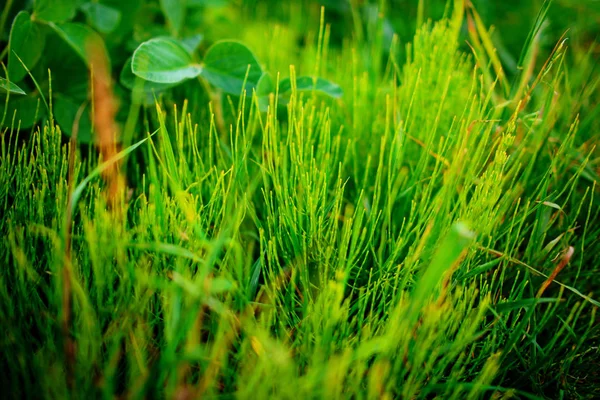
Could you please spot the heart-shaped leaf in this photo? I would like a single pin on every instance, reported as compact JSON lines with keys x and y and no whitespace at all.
{"x":81,"y":38}
{"x":264,"y":88}
{"x":128,"y":80}
{"x":54,"y":10}
{"x":9,"y":87}
{"x":308,"y":84}
{"x":126,"y":8}
{"x":65,"y":113}
{"x":102,"y":17}
{"x":70,"y":75}
{"x":228,"y":64}
{"x":26,"y":111}
{"x":164,"y":60}
{"x":265,"y":85}
{"x":192,"y":43}
{"x":174,"y":11}
{"x":27,"y":41}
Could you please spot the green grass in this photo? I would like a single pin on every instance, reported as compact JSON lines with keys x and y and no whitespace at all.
{"x":390,"y":244}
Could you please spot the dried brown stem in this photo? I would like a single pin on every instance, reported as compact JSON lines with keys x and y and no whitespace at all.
{"x":105,"y":109}
{"x":563,"y":263}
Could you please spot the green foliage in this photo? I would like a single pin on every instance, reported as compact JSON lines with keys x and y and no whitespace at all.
{"x":54,"y":10}
{"x":65,"y":113}
{"x":231,"y":67}
{"x":266,"y":87}
{"x":27,"y":43}
{"x":103,"y":18}
{"x":82,"y":39}
{"x":21,"y":111}
{"x":227,"y":65}
{"x":174,"y":11}
{"x":128,"y":80}
{"x":165,"y":55}
{"x":309,"y":84}
{"x":164,"y":60}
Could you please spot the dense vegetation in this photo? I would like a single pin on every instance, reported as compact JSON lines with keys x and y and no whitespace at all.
{"x":265,"y":199}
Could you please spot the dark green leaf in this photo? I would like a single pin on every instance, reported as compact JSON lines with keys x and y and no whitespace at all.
{"x":174,"y":11}
{"x":227,"y":64}
{"x":164,"y":60}
{"x":27,"y":41}
{"x":102,"y":17}
{"x":26,"y":110}
{"x":9,"y":87}
{"x":308,"y":84}
{"x":70,"y":75}
{"x":265,"y":85}
{"x":82,"y":39}
{"x":264,"y":88}
{"x":65,"y":113}
{"x":192,"y":43}
{"x":129,"y":10}
{"x":54,"y":10}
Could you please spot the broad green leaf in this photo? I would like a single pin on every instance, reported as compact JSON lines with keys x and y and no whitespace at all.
{"x":265,"y":85}
{"x":70,"y":75}
{"x":128,"y":80}
{"x":308,"y":84}
{"x":54,"y":10}
{"x":174,"y":11}
{"x":27,"y":41}
{"x":65,"y":112}
{"x":127,"y":9}
{"x":227,"y":64}
{"x":9,"y":87}
{"x":264,"y":88}
{"x":192,"y":43}
{"x":26,"y":110}
{"x":82,"y":39}
{"x":164,"y":60}
{"x":102,"y":17}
